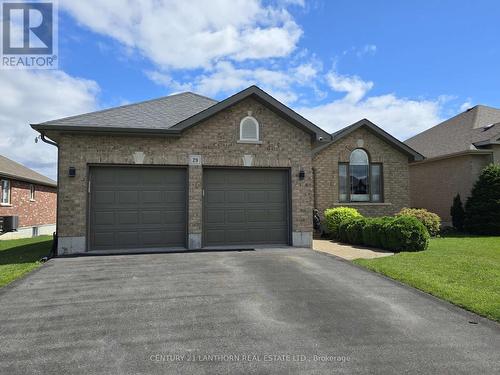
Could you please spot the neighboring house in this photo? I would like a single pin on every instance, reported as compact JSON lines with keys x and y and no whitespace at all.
{"x":186,"y":171}
{"x":456,"y":151}
{"x":30,"y":196}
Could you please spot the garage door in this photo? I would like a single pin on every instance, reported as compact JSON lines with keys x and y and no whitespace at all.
{"x":245,"y":207}
{"x":135,"y":208}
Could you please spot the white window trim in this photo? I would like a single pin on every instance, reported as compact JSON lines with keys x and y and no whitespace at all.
{"x":32,"y":192}
{"x":250,"y":140}
{"x":2,"y":203}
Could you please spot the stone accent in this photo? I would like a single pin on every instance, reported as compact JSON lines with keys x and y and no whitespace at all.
{"x":395,"y":174}
{"x":302,"y":239}
{"x":70,"y":245}
{"x":283,"y":146}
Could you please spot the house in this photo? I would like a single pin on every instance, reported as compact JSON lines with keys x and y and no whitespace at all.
{"x":28,"y":195}
{"x":456,"y":151}
{"x":186,"y":171}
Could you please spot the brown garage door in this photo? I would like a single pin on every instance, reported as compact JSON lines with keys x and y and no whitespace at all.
{"x":137,"y":207}
{"x":245,"y":207}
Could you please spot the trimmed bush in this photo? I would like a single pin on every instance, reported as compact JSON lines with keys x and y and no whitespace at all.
{"x":430,"y":220}
{"x":334,"y":216}
{"x":401,"y":233}
{"x":482,"y":210}
{"x":406,"y":233}
{"x":457,"y":213}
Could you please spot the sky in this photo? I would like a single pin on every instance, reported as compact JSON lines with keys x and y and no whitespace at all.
{"x":405,"y":65}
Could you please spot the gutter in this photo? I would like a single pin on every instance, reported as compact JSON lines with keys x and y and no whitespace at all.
{"x":53,"y":252}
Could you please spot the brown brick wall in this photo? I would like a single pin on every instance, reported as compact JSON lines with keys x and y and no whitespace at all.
{"x":395,"y":174}
{"x":283,"y":145}
{"x":41,"y":211}
{"x":435,"y":183}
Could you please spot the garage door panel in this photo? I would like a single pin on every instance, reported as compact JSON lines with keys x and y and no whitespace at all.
{"x":137,"y":208}
{"x":128,"y":197}
{"x":105,"y":197}
{"x":244,"y":207}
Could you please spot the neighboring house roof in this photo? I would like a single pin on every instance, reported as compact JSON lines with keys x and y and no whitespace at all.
{"x":16,"y":171}
{"x":477,"y":127}
{"x":171,"y":115}
{"x":381,"y":133}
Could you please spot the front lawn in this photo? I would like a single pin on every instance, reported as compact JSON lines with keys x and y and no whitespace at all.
{"x":462,"y":270}
{"x":17,"y":257}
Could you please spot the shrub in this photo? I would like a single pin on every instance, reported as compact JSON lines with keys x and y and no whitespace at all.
{"x":457,"y":213}
{"x":334,"y":216}
{"x":406,"y":233}
{"x":430,"y":220}
{"x":373,"y":234}
{"x":482,"y":209}
{"x":402,"y":233}
{"x":355,"y":228}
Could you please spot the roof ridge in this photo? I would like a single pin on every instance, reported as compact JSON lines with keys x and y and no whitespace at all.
{"x":122,"y":106}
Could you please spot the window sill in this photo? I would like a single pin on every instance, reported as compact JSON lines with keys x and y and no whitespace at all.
{"x":32,"y":200}
{"x":362,"y":204}
{"x":5,"y":205}
{"x":249,"y":142}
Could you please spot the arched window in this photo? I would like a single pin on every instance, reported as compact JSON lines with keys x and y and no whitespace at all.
{"x":360,"y":180}
{"x":249,"y":129}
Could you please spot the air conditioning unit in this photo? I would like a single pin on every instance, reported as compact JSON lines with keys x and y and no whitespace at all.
{"x":10,"y":223}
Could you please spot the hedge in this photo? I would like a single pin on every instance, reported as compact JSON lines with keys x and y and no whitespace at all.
{"x":400,"y":233}
{"x":334,"y":216}
{"x":430,"y":220}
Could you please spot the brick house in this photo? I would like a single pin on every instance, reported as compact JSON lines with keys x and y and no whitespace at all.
{"x":455,"y":151}
{"x":186,"y":171}
{"x":30,"y":196}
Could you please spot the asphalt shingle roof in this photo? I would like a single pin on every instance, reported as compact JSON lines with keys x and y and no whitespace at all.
{"x":16,"y":171}
{"x":161,"y":113}
{"x":464,"y":132}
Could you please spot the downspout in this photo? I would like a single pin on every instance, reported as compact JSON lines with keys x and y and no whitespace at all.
{"x":55,"y":237}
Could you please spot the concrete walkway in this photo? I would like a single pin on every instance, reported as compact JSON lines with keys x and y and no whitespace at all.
{"x":348,"y":252}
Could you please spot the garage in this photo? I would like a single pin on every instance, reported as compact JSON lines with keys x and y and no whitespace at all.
{"x":137,"y":208}
{"x":246,"y":207}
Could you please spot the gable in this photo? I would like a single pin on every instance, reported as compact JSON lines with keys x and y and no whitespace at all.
{"x":376,"y":131}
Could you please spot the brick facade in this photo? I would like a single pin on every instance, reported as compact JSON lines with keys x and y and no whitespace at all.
{"x":434,"y":183}
{"x":215,"y":139}
{"x":40,"y":211}
{"x":395,"y":173}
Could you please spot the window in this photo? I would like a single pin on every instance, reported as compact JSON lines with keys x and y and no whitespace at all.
{"x":5,"y":199}
{"x":32,"y":192}
{"x":249,"y":129}
{"x":360,"y":180}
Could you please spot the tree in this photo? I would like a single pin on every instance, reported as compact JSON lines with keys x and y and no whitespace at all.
{"x":482,"y":210}
{"x":457,"y":213}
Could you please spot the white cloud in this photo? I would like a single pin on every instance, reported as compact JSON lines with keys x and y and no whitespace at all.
{"x":32,"y":97}
{"x":192,"y":34}
{"x":466,"y":105}
{"x":401,"y":117}
{"x":354,"y":86}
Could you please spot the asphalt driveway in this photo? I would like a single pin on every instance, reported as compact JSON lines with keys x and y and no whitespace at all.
{"x":273,"y":311}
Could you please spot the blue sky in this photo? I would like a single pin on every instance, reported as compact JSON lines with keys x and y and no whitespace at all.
{"x":406,"y":65}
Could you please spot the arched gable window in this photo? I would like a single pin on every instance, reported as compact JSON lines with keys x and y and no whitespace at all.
{"x":249,"y":129}
{"x":360,"y":180}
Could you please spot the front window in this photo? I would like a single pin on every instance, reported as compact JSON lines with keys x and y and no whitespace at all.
{"x":5,"y":198}
{"x":360,"y":180}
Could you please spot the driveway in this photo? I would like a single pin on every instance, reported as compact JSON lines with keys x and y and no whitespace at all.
{"x":266,"y":311}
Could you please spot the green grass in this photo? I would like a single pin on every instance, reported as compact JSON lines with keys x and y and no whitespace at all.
{"x":18,"y":257}
{"x":462,"y":270}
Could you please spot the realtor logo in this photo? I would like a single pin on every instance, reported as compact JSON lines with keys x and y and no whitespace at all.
{"x":29,"y":35}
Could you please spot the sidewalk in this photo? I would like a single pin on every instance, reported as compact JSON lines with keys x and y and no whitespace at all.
{"x":348,"y":252}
